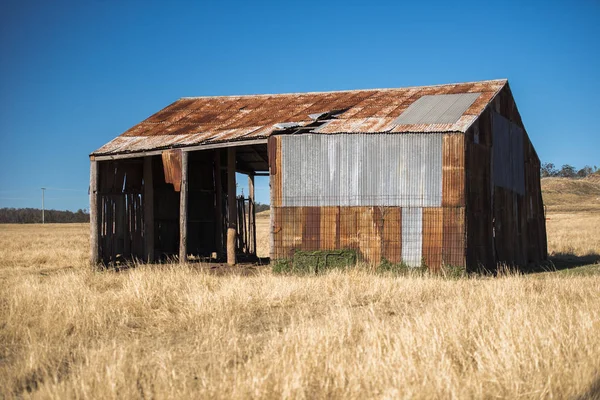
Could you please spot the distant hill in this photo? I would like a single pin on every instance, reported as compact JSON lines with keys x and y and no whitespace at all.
{"x":34,"y":216}
{"x":571,"y":194}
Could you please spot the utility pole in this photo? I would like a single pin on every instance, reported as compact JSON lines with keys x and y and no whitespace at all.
{"x":43,"y":190}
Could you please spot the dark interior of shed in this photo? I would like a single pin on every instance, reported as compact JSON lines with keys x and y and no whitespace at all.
{"x":131,"y":228}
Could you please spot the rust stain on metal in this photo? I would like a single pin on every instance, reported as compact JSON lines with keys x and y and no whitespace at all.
{"x":432,"y":237}
{"x":453,"y":170}
{"x":392,"y":234}
{"x":203,"y":120}
{"x":171,"y":160}
{"x":453,"y":240}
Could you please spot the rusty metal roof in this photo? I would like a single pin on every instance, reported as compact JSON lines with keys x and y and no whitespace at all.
{"x":192,"y":121}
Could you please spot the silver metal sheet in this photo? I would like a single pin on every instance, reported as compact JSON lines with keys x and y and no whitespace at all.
{"x":437,"y":109}
{"x":412,"y":236}
{"x":507,"y":154}
{"x":362,"y":170}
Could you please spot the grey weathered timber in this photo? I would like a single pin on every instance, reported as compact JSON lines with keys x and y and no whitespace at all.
{"x":218,"y":202}
{"x":183,"y":208}
{"x":252,"y":215}
{"x":231,"y":206}
{"x":148,"y":210}
{"x":94,"y":225}
{"x":507,"y":156}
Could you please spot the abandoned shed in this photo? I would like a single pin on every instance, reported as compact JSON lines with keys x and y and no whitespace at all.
{"x":434,"y":175}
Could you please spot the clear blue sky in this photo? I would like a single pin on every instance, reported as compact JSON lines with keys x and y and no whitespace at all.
{"x":73,"y":75}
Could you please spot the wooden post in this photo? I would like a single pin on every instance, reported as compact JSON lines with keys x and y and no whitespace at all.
{"x":94,"y":226}
{"x":252,"y":215}
{"x":271,"y":212}
{"x":232,"y":206}
{"x":148,"y":209}
{"x":183,"y":208}
{"x":219,"y":202}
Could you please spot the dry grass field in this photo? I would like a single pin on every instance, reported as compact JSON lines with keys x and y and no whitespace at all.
{"x":173,"y":331}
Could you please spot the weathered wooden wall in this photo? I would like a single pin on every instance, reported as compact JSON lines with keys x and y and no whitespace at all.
{"x":415,"y":233}
{"x":505,"y":222}
{"x":121,"y":214}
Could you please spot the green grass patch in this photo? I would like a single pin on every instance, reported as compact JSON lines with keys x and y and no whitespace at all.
{"x":312,"y":262}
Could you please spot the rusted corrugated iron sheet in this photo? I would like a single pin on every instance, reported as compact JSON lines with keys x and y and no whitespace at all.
{"x":196,"y":121}
{"x":432,"y":237}
{"x":171,"y":160}
{"x":453,"y":241}
{"x":453,"y":170}
{"x":413,"y":235}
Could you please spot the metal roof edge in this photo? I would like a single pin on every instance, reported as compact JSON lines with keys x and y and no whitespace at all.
{"x":505,"y":84}
{"x":190,"y":147}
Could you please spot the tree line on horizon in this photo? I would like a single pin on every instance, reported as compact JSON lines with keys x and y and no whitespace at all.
{"x":548,"y":170}
{"x":34,"y":216}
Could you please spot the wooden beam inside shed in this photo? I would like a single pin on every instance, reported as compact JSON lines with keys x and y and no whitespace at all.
{"x":94,"y":225}
{"x":148,"y":210}
{"x":232,"y":206}
{"x":183,"y":208}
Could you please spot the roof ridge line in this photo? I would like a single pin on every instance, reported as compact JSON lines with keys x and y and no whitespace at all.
{"x":505,"y":80}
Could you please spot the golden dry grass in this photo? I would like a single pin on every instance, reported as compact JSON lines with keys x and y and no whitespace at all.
{"x":576,"y":233}
{"x":566,"y":195}
{"x":179,"y":332}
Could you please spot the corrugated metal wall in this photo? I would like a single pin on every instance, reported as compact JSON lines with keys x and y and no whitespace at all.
{"x":362,"y":170}
{"x":398,"y":198}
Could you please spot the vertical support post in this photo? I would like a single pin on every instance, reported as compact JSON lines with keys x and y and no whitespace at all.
{"x":232,"y":206}
{"x":94,"y":227}
{"x":183,"y":208}
{"x":148,"y":209}
{"x":219,"y":202}
{"x":252,"y":215}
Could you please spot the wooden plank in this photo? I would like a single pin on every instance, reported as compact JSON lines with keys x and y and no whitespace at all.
{"x":183,"y":209}
{"x":392,"y":234}
{"x":432,"y":237}
{"x":453,"y":170}
{"x":94,"y":225}
{"x":231,"y":203}
{"x":148,"y":206}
